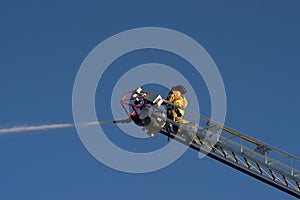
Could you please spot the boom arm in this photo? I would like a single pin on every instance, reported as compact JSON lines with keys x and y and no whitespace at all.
{"x":239,"y":151}
{"x":250,"y":156}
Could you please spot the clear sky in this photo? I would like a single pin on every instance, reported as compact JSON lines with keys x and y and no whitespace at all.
{"x":255,"y":45}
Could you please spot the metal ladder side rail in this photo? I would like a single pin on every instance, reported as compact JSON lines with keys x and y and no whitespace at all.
{"x":279,"y":179}
{"x":269,"y":147}
{"x":220,"y":151}
{"x":272,"y":177}
{"x":246,"y":164}
{"x":245,"y":148}
{"x":262,"y":164}
{"x":234,"y":165}
{"x":249,"y":139}
{"x":253,"y":158}
{"x":236,"y":133}
{"x":276,"y":179}
{"x":250,"y":166}
{"x":244,"y":137}
{"x":243,"y":162}
{"x":270,"y":161}
{"x":233,"y":158}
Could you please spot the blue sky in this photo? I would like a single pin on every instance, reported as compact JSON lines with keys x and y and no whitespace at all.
{"x":43,"y":43}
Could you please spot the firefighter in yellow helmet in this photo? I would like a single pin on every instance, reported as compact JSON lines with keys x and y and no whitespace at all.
{"x":176,"y":96}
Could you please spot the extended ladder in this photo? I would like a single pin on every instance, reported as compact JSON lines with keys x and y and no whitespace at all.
{"x":250,"y":156}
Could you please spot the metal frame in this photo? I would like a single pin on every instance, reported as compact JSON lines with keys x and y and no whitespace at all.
{"x":237,"y":150}
{"x":251,"y":156}
{"x":242,"y":152}
{"x":233,"y":164}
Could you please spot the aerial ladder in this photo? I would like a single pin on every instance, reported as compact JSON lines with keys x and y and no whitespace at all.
{"x":250,"y":156}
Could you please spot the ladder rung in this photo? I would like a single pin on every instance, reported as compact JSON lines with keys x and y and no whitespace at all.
{"x":248,"y":164}
{"x":286,"y":183}
{"x":259,"y":168}
{"x":273,"y":176}
{"x":235,"y":158}
{"x":224,"y":153}
{"x":298,"y":185}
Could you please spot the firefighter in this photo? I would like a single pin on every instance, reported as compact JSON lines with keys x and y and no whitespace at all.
{"x":176,"y":96}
